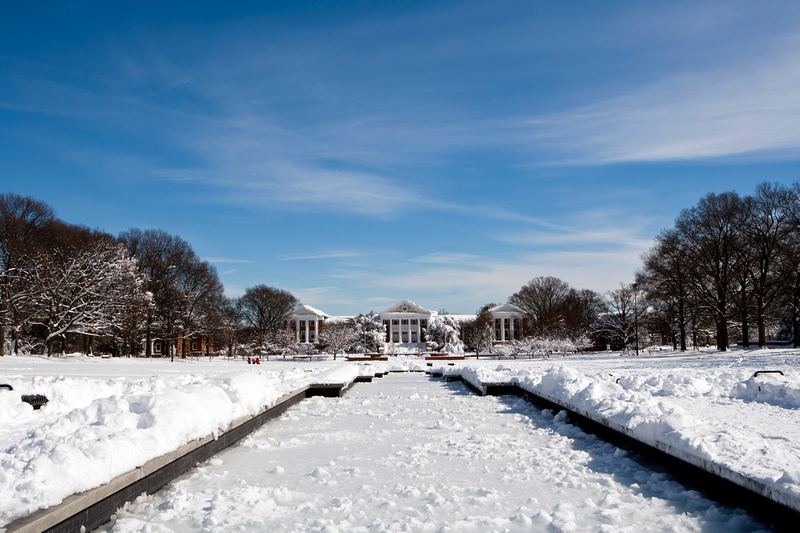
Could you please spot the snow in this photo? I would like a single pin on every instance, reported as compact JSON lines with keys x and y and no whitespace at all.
{"x":96,"y":428}
{"x":108,"y":416}
{"x":706,"y":409}
{"x":408,"y":453}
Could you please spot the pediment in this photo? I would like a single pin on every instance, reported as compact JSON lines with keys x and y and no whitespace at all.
{"x":506,"y":309}
{"x":307,"y":310}
{"x":406,"y":306}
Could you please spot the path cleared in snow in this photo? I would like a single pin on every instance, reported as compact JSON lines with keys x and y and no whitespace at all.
{"x":408,"y":453}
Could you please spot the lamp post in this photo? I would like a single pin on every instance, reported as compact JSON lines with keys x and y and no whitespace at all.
{"x":635,"y":318}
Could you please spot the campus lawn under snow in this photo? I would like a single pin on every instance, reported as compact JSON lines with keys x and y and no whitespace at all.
{"x":408,"y":453}
{"x":108,"y":416}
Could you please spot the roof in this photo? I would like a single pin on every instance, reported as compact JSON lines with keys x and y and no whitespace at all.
{"x":305,"y":310}
{"x":407,"y":306}
{"x":506,"y":308}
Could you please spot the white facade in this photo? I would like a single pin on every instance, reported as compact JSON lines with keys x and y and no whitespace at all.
{"x":507,"y":322}
{"x":306,"y":321}
{"x":406,"y":323}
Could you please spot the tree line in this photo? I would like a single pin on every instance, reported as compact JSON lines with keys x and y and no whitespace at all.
{"x":729,"y":268}
{"x":727,"y":271}
{"x":66,"y":287}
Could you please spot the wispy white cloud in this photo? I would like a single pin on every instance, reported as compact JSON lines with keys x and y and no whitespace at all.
{"x":464,"y":288}
{"x":443,"y":258}
{"x":329,"y":255}
{"x":747,"y":108}
{"x":225,"y":260}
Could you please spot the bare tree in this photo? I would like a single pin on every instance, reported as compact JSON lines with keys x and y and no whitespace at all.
{"x":165,"y":260}
{"x":543,"y":299}
{"x":711,"y":231}
{"x":767,"y":226}
{"x":338,"y":337}
{"x":198,"y":297}
{"x":477,"y":333}
{"x":265,"y":309}
{"x":22,"y":223}
{"x":666,"y":278}
{"x":626,"y":308}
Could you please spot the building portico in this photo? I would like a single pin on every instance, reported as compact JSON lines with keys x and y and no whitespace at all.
{"x":306,"y":322}
{"x":507,"y":322}
{"x":406,"y":322}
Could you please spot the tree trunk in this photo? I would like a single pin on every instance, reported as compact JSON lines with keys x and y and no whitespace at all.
{"x":761,"y":323}
{"x":722,"y":334}
{"x":745,"y":329}
{"x":796,"y":318}
{"x":147,"y":343}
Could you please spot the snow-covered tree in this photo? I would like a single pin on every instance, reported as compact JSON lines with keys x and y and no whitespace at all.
{"x":86,"y":290}
{"x":477,"y":333}
{"x":372,"y":332}
{"x":23,"y":221}
{"x":338,"y":337}
{"x":443,"y":336}
{"x":627,"y":306}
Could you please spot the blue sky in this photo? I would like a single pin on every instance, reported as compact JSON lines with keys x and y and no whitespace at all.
{"x":360,"y":153}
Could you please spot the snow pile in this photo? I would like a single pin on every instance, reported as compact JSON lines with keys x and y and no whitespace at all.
{"x":650,"y":420}
{"x":406,"y":453}
{"x":771,"y":388}
{"x":340,"y":375}
{"x":713,"y":411}
{"x":94,"y":430}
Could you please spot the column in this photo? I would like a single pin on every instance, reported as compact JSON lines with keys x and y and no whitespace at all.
{"x":316,"y":330}
{"x":502,"y":330}
{"x":297,"y":329}
{"x":307,"y":329}
{"x":512,"y":328}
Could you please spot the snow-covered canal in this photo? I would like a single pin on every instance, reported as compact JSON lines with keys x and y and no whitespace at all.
{"x":408,"y":453}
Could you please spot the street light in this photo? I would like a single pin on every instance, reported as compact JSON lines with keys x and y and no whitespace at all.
{"x":635,"y":318}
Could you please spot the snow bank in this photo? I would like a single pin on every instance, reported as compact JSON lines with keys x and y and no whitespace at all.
{"x":718,"y":414}
{"x":94,"y":430}
{"x":773,"y":388}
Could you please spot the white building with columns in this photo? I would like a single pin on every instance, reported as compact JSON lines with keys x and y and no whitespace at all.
{"x":406,"y":322}
{"x":306,"y":322}
{"x":508,"y":320}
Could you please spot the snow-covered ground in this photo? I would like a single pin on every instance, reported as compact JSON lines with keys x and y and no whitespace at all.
{"x":108,"y":416}
{"x":708,"y":408}
{"x":408,"y":453}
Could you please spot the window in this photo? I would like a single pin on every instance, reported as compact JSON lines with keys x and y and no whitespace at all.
{"x":413,"y":321}
{"x":404,"y":321}
{"x":414,"y":336}
{"x":157,"y":347}
{"x":194,"y":346}
{"x":395,"y":337}
{"x":404,"y":308}
{"x":302,"y":323}
{"x":395,"y":322}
